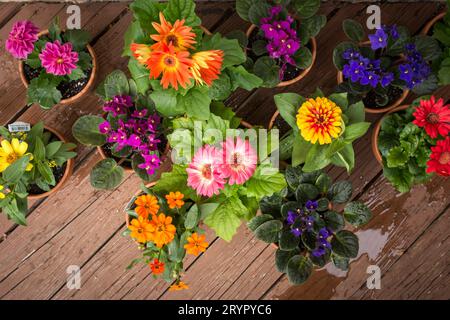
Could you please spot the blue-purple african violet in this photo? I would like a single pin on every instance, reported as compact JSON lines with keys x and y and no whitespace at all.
{"x":307,"y":222}
{"x":281,"y":37}
{"x":322,"y":242}
{"x":415,"y":70}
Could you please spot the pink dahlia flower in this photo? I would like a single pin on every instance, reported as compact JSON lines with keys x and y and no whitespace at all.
{"x":21,"y":39}
{"x":239,"y":160}
{"x":203,"y":172}
{"x":58,"y":59}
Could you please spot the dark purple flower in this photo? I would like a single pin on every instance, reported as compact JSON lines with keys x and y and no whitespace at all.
{"x":104,"y":127}
{"x":311,"y":205}
{"x":387,"y":79}
{"x":370,"y":78}
{"x":296,"y":232}
{"x":378,"y":40}
{"x":406,"y":73}
{"x":291,"y":217}
{"x":322,"y":242}
{"x":350,"y":54}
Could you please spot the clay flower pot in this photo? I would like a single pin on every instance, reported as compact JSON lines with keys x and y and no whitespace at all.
{"x":67,"y":172}
{"x":86,"y":88}
{"x":376,"y":131}
{"x":305,"y":71}
{"x":430,"y":24}
{"x":396,"y":103}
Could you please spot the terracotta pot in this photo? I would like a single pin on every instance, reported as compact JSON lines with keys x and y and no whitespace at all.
{"x":340,"y":79}
{"x":430,"y":24}
{"x":67,"y":172}
{"x":304,"y":72}
{"x":376,"y":131}
{"x":84,"y":90}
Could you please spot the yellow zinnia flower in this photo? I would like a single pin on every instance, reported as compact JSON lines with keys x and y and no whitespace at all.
{"x":12,"y":151}
{"x":319,"y":120}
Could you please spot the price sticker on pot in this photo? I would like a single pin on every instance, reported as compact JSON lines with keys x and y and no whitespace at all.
{"x":19,"y":127}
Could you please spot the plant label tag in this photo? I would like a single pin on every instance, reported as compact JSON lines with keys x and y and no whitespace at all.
{"x":19,"y":127}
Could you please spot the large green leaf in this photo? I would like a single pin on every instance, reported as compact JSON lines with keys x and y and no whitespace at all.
{"x":140,"y":75}
{"x":116,"y":83}
{"x":354,"y":30}
{"x":182,"y":9}
{"x":146,"y":12}
{"x":345,"y":244}
{"x":226,"y":218}
{"x":299,"y":269}
{"x":16,"y":170}
{"x":268,"y":231}
{"x":306,"y":8}
{"x":288,"y":105}
{"x":340,"y":192}
{"x":233,"y":53}
{"x":357,"y":213}
{"x":85,"y":130}
{"x":243,"y":6}
{"x":254,"y":223}
{"x":267,"y":69}
{"x":106,"y":174}
{"x":265,"y":182}
{"x":243,"y":79}
{"x":288,"y":241}
{"x":166,"y":103}
{"x":303,"y":58}
{"x":42,"y":90}
{"x":78,"y":38}
{"x":282,"y":258}
{"x":196,"y":103}
{"x":221,"y":87}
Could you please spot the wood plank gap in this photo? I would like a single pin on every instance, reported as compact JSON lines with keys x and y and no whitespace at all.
{"x":11,"y":14}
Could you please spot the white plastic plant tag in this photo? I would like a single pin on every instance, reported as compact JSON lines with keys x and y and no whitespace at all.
{"x":19,"y":127}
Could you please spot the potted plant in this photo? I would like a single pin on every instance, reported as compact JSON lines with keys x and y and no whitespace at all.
{"x":319,"y":130}
{"x":34,"y":163}
{"x":166,"y":227}
{"x":304,"y":224}
{"x":412,"y":143}
{"x":439,"y":28}
{"x":55,"y":66}
{"x":381,"y":71}
{"x":281,"y":43}
{"x":130,"y":136}
{"x":185,"y":67}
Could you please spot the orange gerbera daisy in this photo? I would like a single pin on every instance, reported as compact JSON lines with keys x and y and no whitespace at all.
{"x":319,"y":120}
{"x":178,"y":35}
{"x":174,"y":199}
{"x":157,"y":267}
{"x":147,"y":204}
{"x":180,"y":285}
{"x":173,"y":65}
{"x":164,"y":230}
{"x":206,"y":66}
{"x":141,"y":230}
{"x":196,"y":244}
{"x":141,"y":52}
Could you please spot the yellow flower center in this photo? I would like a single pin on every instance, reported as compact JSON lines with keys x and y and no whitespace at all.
{"x":11,"y":158}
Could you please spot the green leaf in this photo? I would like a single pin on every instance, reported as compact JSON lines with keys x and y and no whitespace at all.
{"x":257,"y":11}
{"x":338,"y":59}
{"x":233,"y":53}
{"x":271,"y":205}
{"x":340,"y":262}
{"x":341,"y":99}
{"x":300,"y":150}
{"x":115,"y":84}
{"x":268,"y":231}
{"x":357,"y":213}
{"x":78,"y":38}
{"x":140,"y":75}
{"x":344,"y":158}
{"x":317,"y":157}
{"x":42,"y":90}
{"x":353,"y":30}
{"x":288,"y":105}
{"x":299,"y":269}
{"x":323,"y":182}
{"x":288,"y":241}
{"x":192,"y":217}
{"x":306,"y":8}
{"x":175,"y":180}
{"x":258,"y":220}
{"x":15,"y":213}
{"x":401,"y":179}
{"x":182,"y":9}
{"x":146,"y":12}
{"x":52,"y":148}
{"x":243,"y":6}
{"x":345,"y":244}
{"x":134,"y":34}
{"x":293,"y":176}
{"x":282,"y":258}
{"x":16,"y":170}
{"x":166,"y":103}
{"x":428,"y":47}
{"x":267,"y":69}
{"x":333,"y":220}
{"x":340,"y":192}
{"x":303,"y":58}
{"x":305,"y":192}
{"x":106,"y":174}
{"x":46,"y":173}
{"x":356,"y":113}
{"x":397,"y":157}
{"x":76,"y":74}
{"x":264,"y":182}
{"x":355,"y":131}
{"x":85,"y":130}
{"x":226,"y":218}
{"x":243,"y":79}
{"x":196,"y":103}
{"x":39,"y":150}
{"x":221,"y":87}
{"x":313,"y":25}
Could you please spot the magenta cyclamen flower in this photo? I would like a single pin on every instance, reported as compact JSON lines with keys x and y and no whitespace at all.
{"x":59,"y":59}
{"x":21,"y":39}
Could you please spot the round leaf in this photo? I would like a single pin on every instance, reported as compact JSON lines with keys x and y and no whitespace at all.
{"x":106,"y":174}
{"x":299,"y":269}
{"x":333,"y":220}
{"x":340,"y":192}
{"x":282,"y":258}
{"x":353,"y":29}
{"x":305,"y":192}
{"x":288,"y":241}
{"x":258,"y":220}
{"x":268,"y":231}
{"x":345,"y":244}
{"x":85,"y":130}
{"x":357,"y":213}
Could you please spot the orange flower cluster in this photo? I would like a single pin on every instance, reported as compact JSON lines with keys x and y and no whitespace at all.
{"x":196,"y":244}
{"x":169,"y":56}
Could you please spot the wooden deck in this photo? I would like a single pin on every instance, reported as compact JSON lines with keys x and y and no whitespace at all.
{"x":408,"y":237}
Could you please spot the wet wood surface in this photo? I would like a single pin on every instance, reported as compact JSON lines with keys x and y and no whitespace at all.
{"x":407,"y":238}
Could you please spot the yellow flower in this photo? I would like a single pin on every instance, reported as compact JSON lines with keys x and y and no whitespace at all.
{"x":180,"y":285}
{"x":2,"y":195}
{"x":10,"y":152}
{"x":319,"y":120}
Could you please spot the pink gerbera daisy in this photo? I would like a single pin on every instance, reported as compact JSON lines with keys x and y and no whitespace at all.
{"x":239,"y":160}
{"x":203,"y":172}
{"x":21,"y":39}
{"x":58,"y":59}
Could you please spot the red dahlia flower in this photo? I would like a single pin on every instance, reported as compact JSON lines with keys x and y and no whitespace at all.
{"x":434,"y":117}
{"x":440,"y":158}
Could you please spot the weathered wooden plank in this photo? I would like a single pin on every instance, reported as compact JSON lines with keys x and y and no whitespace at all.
{"x":7,"y":11}
{"x":422,"y":272}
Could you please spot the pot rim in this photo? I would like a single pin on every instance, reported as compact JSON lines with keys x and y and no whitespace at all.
{"x":302,"y":74}
{"x":67,"y":172}
{"x":432,"y":22}
{"x":86,"y":88}
{"x":376,"y":131}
